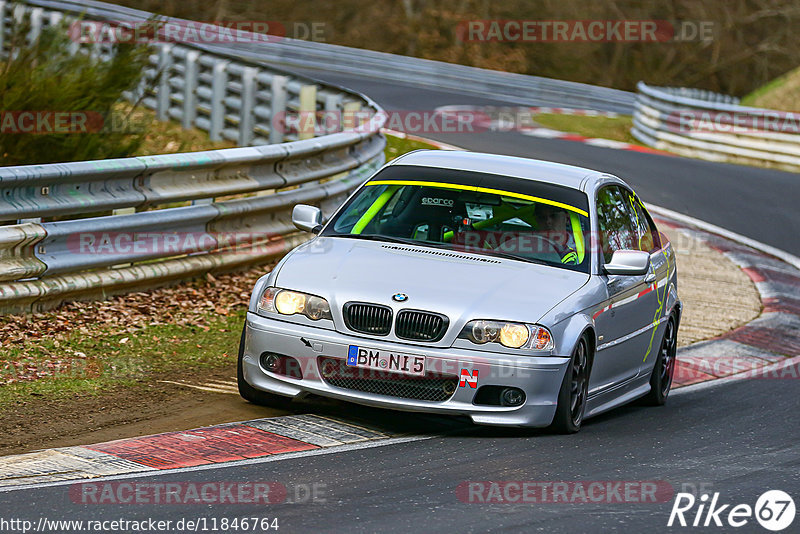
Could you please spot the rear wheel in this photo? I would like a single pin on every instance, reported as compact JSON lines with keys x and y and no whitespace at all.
{"x":661,"y":377}
{"x":251,"y":394}
{"x":574,"y":391}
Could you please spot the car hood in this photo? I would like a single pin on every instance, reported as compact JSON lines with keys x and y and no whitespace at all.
{"x":461,"y":286}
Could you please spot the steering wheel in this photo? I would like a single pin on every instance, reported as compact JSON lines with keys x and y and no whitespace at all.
{"x":523,"y":242}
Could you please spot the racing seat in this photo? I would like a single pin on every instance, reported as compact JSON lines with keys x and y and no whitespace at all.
{"x":424,"y":213}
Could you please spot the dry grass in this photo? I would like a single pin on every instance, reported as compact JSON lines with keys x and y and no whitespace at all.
{"x":168,"y":137}
{"x":614,"y":128}
{"x":782,"y":93}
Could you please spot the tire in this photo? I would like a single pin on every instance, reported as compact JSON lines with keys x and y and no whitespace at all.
{"x":664,"y":368}
{"x":251,"y":394}
{"x":574,"y":392}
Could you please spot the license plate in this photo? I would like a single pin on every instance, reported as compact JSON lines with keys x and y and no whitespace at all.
{"x":383,"y":360}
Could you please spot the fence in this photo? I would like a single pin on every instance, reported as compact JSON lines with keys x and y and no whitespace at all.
{"x":90,"y":229}
{"x":714,"y":127}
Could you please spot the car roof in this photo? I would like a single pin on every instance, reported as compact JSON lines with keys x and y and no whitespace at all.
{"x":529,"y":169}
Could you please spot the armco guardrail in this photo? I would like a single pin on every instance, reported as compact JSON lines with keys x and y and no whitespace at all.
{"x":297,"y":54}
{"x":89,"y":229}
{"x":714,"y":127}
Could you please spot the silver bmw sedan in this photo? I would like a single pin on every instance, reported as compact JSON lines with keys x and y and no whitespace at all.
{"x":513,"y":291}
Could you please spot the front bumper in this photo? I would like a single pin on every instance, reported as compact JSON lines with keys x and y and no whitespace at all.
{"x":539,"y":377}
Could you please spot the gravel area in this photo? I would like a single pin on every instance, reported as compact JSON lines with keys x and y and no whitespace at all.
{"x":717,"y":295}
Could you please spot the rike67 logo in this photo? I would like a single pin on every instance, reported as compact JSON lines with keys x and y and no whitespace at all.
{"x":774,"y":510}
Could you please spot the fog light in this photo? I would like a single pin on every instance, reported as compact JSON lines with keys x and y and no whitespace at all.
{"x":270,"y":362}
{"x":327,"y":369}
{"x":512,"y":397}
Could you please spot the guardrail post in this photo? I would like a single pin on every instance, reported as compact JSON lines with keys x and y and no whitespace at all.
{"x":2,"y":29}
{"x":190,"y":89}
{"x":74,"y":44}
{"x":308,"y":112}
{"x":18,"y":14}
{"x":36,"y":24}
{"x":333,"y":115}
{"x":219,"y":83}
{"x":248,"y":101}
{"x":163,"y":98}
{"x":95,"y":46}
{"x":352,"y":112}
{"x":278,"y":109}
{"x":55,"y":17}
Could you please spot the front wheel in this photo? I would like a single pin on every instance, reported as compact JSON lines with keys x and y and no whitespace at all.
{"x":661,"y":378}
{"x":574,"y":391}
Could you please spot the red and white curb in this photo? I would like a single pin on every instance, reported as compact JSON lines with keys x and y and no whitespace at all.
{"x":521,"y":120}
{"x":572,"y":111}
{"x":593,"y":141}
{"x":206,"y":446}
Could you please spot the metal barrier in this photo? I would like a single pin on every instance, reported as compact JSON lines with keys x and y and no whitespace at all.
{"x":308,"y":55}
{"x":94,"y":228}
{"x":714,"y":127}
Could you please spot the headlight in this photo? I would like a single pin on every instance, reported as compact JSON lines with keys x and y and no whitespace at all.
{"x":512,"y":335}
{"x":286,"y":302}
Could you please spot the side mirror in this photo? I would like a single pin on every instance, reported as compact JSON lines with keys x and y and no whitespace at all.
{"x":628,"y":262}
{"x":307,"y":218}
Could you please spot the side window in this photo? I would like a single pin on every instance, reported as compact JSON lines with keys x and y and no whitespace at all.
{"x":646,"y":231}
{"x":617,"y":229}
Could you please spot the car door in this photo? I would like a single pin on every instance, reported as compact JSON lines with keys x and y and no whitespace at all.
{"x":662,"y":262}
{"x":620,"y":320}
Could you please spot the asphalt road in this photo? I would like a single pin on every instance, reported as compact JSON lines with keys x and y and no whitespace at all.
{"x":738,"y":439}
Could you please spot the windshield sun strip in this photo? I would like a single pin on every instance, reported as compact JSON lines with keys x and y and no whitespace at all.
{"x":475,"y":189}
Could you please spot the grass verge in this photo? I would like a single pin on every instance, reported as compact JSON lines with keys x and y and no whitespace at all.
{"x":168,"y":137}
{"x":614,"y":128}
{"x":397,"y":146}
{"x":782,"y":93}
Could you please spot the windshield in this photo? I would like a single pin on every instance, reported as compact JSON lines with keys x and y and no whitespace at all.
{"x":470,"y":212}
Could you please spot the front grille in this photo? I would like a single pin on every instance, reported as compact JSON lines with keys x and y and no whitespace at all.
{"x":420,"y":326}
{"x":368,"y":318}
{"x":433,"y":387}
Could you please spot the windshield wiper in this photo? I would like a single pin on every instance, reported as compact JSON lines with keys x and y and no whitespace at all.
{"x":510,"y":256}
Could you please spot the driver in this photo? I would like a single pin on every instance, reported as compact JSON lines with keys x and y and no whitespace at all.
{"x":551,"y":223}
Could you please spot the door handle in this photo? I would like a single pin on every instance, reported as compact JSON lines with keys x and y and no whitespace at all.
{"x":651,"y":277}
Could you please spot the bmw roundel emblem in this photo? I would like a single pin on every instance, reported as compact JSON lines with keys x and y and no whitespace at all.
{"x":399,"y":297}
